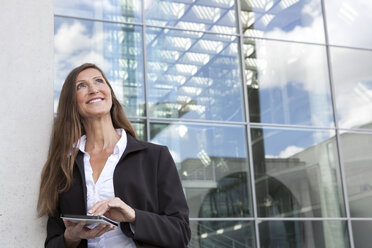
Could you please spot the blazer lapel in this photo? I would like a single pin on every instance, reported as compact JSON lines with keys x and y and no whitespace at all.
{"x":133,"y":145}
{"x":80,"y":164}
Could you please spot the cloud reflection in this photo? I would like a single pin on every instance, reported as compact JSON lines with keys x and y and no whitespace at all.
{"x":74,"y":45}
{"x":353,"y":86}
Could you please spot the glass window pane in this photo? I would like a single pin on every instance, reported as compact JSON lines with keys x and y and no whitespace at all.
{"x":212,"y":164}
{"x":114,"y":10}
{"x":362,"y":233}
{"x":222,"y":234}
{"x":288,"y":83}
{"x":352,"y":78}
{"x":115,"y":48}
{"x":296,"y":173}
{"x":295,"y":20}
{"x":140,"y":128}
{"x":299,"y":234}
{"x":203,"y":15}
{"x":348,"y":22}
{"x":357,"y":159}
{"x":193,"y":75}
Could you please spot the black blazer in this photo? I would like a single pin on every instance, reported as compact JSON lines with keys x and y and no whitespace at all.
{"x":146,"y":179}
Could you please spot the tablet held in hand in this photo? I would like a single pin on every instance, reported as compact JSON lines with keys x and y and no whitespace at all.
{"x":89,"y":219}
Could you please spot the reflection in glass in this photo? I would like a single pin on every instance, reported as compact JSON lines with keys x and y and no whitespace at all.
{"x":300,"y":234}
{"x":202,"y":15}
{"x":295,"y":20}
{"x":362,"y":233}
{"x":213,"y":166}
{"x":222,"y":234}
{"x":114,"y":10}
{"x":115,"y":48}
{"x":193,"y":75}
{"x":140,"y":128}
{"x":287,"y":83}
{"x":357,"y":159}
{"x":296,"y":173}
{"x":352,"y":78}
{"x":348,"y":22}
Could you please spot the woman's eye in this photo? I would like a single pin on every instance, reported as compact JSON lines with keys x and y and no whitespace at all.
{"x":80,"y":86}
{"x":99,"y":80}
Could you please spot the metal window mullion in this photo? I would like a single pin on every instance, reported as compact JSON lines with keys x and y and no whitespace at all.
{"x":278,"y":219}
{"x":338,"y":136}
{"x":289,"y":126}
{"x":180,"y":120}
{"x":97,"y":20}
{"x":246,"y":105}
{"x":147,"y":122}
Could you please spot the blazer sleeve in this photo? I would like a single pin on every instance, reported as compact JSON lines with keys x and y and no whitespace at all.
{"x":55,"y":232}
{"x":169,"y":227}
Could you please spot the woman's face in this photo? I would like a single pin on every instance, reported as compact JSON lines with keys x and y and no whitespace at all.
{"x":93,"y":95}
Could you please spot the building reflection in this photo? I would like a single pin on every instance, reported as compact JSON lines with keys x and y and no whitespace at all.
{"x":285,"y":187}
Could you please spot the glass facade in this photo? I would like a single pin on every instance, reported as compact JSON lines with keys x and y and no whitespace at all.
{"x":265,"y":106}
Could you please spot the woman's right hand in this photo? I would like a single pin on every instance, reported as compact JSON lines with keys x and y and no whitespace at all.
{"x":75,"y":232}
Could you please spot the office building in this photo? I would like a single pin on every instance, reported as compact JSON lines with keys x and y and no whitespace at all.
{"x":265,"y":106}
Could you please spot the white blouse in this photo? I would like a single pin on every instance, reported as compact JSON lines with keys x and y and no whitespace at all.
{"x":104,"y":189}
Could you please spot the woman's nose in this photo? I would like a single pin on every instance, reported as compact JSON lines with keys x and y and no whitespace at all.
{"x":93,"y":88}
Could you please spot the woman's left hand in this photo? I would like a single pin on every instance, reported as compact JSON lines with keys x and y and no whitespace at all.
{"x":114,"y":209}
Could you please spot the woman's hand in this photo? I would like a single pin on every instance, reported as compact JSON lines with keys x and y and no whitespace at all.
{"x":114,"y":209}
{"x":75,"y":232}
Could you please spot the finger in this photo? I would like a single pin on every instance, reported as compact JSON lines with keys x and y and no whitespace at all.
{"x":116,"y":203}
{"x":96,"y":206}
{"x":79,"y":226}
{"x":78,"y":229}
{"x":68,"y":223}
{"x":102,"y":209}
{"x":95,"y":231}
{"x":104,"y":230}
{"x":75,"y":230}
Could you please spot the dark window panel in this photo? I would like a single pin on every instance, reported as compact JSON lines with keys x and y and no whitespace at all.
{"x":362,"y":233}
{"x":222,"y":234}
{"x":299,"y":234}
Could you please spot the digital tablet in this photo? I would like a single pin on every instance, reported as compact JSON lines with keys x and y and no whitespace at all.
{"x":89,"y":219}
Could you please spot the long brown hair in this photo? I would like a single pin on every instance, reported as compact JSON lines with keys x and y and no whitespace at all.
{"x":56,"y":176}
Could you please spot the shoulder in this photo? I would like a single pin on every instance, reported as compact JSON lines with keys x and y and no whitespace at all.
{"x":152,"y":145}
{"x":154,"y":148}
{"x":148,"y":150}
{"x":144,"y":145}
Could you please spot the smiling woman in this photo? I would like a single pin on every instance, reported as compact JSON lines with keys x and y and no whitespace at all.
{"x":93,"y":95}
{"x":96,"y":166}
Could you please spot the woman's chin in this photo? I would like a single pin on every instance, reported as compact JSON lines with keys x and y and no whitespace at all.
{"x":97,"y":115}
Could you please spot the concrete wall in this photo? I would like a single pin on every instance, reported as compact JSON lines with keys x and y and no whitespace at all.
{"x":26,"y":115}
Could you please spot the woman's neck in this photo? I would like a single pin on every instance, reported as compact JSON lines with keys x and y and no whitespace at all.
{"x":101,"y":135}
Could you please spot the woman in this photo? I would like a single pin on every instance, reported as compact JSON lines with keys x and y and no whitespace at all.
{"x":96,"y":166}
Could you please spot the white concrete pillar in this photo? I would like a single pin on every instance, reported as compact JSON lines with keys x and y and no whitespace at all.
{"x":26,"y":115}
